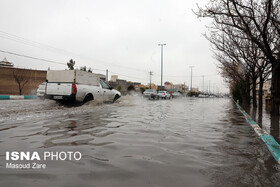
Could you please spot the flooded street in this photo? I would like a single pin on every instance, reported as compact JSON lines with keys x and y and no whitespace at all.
{"x":136,"y":142}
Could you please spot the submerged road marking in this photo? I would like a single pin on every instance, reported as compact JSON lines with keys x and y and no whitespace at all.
{"x":269,"y":140}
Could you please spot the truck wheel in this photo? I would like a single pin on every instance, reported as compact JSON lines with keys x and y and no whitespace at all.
{"x":116,"y":97}
{"x":88,"y":97}
{"x":41,"y":98}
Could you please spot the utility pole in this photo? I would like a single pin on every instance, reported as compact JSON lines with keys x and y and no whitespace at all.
{"x":161,"y":45}
{"x":107,"y":75}
{"x":191,"y":79}
{"x":209,"y":87}
{"x":151,"y":73}
{"x":203,"y":84}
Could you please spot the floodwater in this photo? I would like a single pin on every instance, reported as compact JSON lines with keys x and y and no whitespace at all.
{"x":263,"y":118}
{"x":136,"y":142}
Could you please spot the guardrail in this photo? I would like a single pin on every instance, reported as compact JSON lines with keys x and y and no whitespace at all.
{"x":17,"y":97}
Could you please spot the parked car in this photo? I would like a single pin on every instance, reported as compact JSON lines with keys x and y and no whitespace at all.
{"x":80,"y":86}
{"x":41,"y":91}
{"x":164,"y":94}
{"x":151,"y":94}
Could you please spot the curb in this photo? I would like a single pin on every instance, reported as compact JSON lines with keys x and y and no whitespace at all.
{"x":269,"y":141}
{"x":17,"y":97}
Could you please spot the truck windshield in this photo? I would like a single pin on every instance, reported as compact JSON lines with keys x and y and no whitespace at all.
{"x":104,"y":85}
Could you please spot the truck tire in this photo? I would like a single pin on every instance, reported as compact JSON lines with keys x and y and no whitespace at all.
{"x":41,"y":98}
{"x":88,"y":98}
{"x":116,"y":97}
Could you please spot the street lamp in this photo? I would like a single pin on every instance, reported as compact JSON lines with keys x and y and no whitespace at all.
{"x":203,"y":84}
{"x":161,"y":62}
{"x":191,"y":78}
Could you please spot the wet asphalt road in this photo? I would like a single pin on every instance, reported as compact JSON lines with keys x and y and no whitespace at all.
{"x":136,"y":142}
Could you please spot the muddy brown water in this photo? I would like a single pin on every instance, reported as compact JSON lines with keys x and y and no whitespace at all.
{"x":136,"y":142}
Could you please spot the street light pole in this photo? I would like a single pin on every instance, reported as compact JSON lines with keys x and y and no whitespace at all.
{"x":151,"y":73}
{"x":203,"y":84}
{"x":191,"y":79}
{"x":161,"y":45}
{"x":209,"y":91}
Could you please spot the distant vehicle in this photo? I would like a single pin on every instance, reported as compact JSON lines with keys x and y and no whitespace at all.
{"x":176,"y":94}
{"x":77,"y":85}
{"x":164,"y":94}
{"x":202,"y":96}
{"x":151,"y":94}
{"x":41,"y":90}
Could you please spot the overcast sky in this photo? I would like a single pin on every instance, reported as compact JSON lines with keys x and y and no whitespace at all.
{"x":119,"y":35}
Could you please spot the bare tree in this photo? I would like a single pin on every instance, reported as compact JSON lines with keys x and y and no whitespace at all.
{"x":259,"y":21}
{"x":256,"y":21}
{"x":236,"y":61}
{"x":71,"y":64}
{"x":21,"y":77}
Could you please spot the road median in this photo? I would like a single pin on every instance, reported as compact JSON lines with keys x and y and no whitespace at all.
{"x":17,"y":97}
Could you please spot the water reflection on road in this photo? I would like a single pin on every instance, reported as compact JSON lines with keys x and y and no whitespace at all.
{"x":137,"y":142}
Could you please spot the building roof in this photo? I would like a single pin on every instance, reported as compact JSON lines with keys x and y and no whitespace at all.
{"x":5,"y":62}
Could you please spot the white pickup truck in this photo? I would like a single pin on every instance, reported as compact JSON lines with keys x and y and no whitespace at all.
{"x":76,"y":85}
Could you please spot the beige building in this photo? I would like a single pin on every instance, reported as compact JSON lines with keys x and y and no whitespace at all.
{"x":169,"y":85}
{"x":140,"y":86}
{"x":114,"y":78}
{"x":181,"y":88}
{"x":153,"y":86}
{"x":266,"y":88}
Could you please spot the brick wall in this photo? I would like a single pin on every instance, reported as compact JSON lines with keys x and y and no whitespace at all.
{"x":8,"y":85}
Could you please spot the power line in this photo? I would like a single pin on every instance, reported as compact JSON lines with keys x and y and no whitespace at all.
{"x":57,"y":50}
{"x":184,"y":76}
{"x":34,"y":58}
{"x":65,"y":64}
{"x":42,"y":59}
{"x":29,"y":42}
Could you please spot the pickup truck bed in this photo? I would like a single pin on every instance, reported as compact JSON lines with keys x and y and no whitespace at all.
{"x":59,"y":89}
